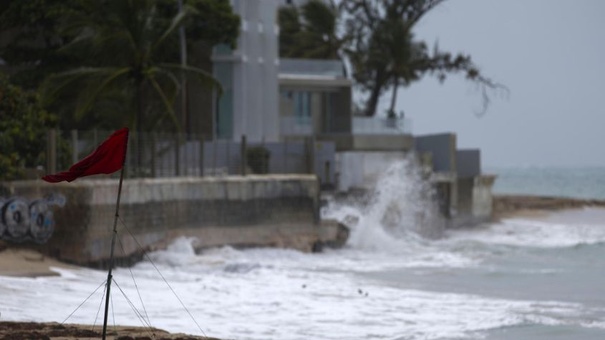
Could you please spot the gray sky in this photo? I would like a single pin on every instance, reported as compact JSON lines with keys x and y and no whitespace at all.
{"x":549,"y":53}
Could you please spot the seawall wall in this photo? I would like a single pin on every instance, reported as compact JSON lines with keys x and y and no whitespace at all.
{"x":276,"y":210}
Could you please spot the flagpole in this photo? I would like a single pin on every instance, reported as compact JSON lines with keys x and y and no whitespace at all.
{"x":107,"y":158}
{"x":113,"y":243}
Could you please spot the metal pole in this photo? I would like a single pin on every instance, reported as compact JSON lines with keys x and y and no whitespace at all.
{"x":214,"y":155}
{"x":74,"y":146}
{"x":243,"y":159}
{"x":113,"y":243}
{"x":51,"y":154}
{"x":228,"y":146}
{"x":153,"y":155}
{"x":183,"y":51}
{"x":285,"y":146}
{"x":177,"y":155}
{"x":310,"y":146}
{"x":201,"y":155}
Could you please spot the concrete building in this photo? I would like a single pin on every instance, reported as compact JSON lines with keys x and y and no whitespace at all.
{"x":292,"y":2}
{"x":315,"y":98}
{"x":268,"y":99}
{"x":464,"y":193}
{"x":248,"y":74}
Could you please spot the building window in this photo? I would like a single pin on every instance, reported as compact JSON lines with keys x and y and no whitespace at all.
{"x":223,"y":72}
{"x":222,"y":50}
{"x":302,"y":107}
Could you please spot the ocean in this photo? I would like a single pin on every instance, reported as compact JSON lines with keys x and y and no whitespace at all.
{"x":538,"y":277}
{"x":574,"y":182}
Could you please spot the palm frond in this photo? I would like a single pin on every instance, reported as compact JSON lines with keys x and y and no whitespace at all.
{"x":90,"y":98}
{"x":59,"y":82}
{"x":176,"y":22}
{"x":168,"y":104}
{"x":198,"y":74}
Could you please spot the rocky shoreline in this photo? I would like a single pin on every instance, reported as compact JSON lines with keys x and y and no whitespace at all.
{"x":510,"y":205}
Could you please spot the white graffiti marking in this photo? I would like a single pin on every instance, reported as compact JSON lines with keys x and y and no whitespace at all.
{"x":22,"y":221}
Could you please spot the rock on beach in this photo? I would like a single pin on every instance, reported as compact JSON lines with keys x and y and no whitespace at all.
{"x":56,"y":331}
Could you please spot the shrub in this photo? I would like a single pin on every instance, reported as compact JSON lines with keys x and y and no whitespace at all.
{"x":257,"y":159}
{"x":23,"y":127}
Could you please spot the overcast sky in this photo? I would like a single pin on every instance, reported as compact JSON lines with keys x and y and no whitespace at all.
{"x":549,"y":53}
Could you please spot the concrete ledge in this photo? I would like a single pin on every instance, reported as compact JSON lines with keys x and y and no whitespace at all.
{"x":275,"y":210}
{"x":356,"y":142}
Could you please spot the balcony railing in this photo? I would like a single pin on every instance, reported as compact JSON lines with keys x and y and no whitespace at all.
{"x":381,"y":126}
{"x":303,"y":126}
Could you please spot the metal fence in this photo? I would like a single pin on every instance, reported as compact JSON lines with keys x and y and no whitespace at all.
{"x":172,"y":155}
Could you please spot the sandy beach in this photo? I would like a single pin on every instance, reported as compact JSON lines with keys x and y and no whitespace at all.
{"x":24,"y":262}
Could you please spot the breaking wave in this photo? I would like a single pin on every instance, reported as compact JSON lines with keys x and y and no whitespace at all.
{"x":400,"y":211}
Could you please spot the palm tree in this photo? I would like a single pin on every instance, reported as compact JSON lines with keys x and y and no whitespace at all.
{"x":320,"y":38}
{"x":311,"y":32}
{"x":129,"y":47}
{"x":290,"y":27}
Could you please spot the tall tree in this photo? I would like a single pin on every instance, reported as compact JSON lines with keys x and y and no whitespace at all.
{"x":30,"y":38}
{"x":130,"y":48}
{"x":213,"y":22}
{"x":23,"y":126}
{"x":93,"y":38}
{"x":311,"y":31}
{"x":384,"y":54}
{"x":289,"y":28}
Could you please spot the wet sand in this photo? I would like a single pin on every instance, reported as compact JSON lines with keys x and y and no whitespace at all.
{"x":23,"y":262}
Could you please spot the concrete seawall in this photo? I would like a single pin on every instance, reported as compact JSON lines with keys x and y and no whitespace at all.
{"x":276,"y":210}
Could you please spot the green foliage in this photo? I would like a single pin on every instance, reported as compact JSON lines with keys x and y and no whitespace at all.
{"x":115,"y":62}
{"x":290,"y":27}
{"x":23,"y":126}
{"x":378,"y":43}
{"x":212,"y":23}
{"x":31,"y":30}
{"x":129,"y":68}
{"x":386,"y":55}
{"x":310,"y":32}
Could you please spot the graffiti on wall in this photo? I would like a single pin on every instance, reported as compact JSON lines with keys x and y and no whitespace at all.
{"x":22,"y":220}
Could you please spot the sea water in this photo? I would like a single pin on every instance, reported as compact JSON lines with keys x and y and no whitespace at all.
{"x":574,"y":182}
{"x":522,"y":278}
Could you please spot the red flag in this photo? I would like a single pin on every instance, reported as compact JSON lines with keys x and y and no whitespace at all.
{"x":106,"y":159}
